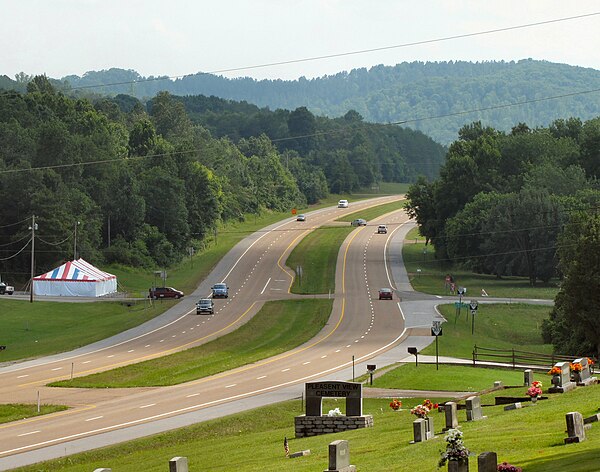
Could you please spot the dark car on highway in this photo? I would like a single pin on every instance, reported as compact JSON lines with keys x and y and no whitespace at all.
{"x":205,"y":305}
{"x":164,"y":292}
{"x":385,"y":294}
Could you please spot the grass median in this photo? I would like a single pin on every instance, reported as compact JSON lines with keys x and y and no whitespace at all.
{"x":278,"y":327}
{"x":374,"y":212}
{"x":19,"y":411}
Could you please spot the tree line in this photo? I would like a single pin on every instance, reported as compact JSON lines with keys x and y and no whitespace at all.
{"x":147,"y":181}
{"x":415,"y":91}
{"x":523,"y":203}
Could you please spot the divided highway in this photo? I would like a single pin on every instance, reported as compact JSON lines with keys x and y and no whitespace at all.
{"x":360,"y":325}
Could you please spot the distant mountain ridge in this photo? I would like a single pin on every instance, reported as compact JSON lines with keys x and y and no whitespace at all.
{"x":422,"y":94}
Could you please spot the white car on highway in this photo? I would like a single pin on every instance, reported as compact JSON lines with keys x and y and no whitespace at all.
{"x":343,"y":204}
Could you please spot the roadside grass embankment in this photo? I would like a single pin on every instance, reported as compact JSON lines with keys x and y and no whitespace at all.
{"x":373,"y":212}
{"x":427,"y":275}
{"x":497,"y":326}
{"x":278,"y":327}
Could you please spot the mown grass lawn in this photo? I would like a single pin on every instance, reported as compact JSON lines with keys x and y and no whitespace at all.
{"x":427,"y":275}
{"x":278,"y":327}
{"x":446,"y":378}
{"x":499,"y":326}
{"x":531,"y":438}
{"x":31,"y":330}
{"x":373,"y":212}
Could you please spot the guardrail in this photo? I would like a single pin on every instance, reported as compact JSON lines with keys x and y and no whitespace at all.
{"x":516,"y":357}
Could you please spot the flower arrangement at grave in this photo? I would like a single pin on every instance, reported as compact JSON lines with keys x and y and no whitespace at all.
{"x":335,"y":412}
{"x":455,"y":448}
{"x":555,"y":371}
{"x":576,"y":367}
{"x":506,"y":467}
{"x":429,"y":404}
{"x":535,"y":390}
{"x":420,"y":411}
{"x":395,"y":404}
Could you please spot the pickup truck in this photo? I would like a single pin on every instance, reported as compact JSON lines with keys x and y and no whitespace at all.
{"x":6,"y":289}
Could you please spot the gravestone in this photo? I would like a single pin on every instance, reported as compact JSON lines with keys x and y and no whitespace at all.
{"x":474,"y":411}
{"x":487,"y":462}
{"x":339,"y":457}
{"x":103,"y":469}
{"x":527,"y":377}
{"x":300,"y":454}
{"x":513,"y":406}
{"x":575,"y":429}
{"x":584,"y":378}
{"x":592,"y":419}
{"x":178,"y":464}
{"x":419,"y":430}
{"x":498,"y":384}
{"x":451,"y":413}
{"x":562,"y":382}
{"x":430,"y":432}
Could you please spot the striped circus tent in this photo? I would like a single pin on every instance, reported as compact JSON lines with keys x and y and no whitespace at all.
{"x":75,"y":279}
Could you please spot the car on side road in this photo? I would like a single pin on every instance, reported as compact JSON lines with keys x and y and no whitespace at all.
{"x":385,"y":294}
{"x":220,"y":290}
{"x":6,"y":289}
{"x":205,"y":305}
{"x":301,"y":217}
{"x":382,"y":229}
{"x":359,"y":222}
{"x":343,"y":204}
{"x":164,"y":292}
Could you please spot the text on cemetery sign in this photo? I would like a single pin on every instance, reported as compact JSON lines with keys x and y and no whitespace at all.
{"x":334,"y":389}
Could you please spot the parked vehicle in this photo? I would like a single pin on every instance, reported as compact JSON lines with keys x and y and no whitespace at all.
{"x":385,"y":294}
{"x":6,"y":289}
{"x":205,"y":305}
{"x":359,"y":222}
{"x":301,"y":217}
{"x":164,"y":292}
{"x":220,"y":290}
{"x":382,"y":229}
{"x":343,"y":204}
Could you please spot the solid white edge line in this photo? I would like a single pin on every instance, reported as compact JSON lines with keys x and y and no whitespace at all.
{"x":265,"y":287}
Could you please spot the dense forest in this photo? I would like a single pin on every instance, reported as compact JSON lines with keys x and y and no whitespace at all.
{"x":524,"y":203}
{"x":430,"y":96}
{"x":147,"y":181}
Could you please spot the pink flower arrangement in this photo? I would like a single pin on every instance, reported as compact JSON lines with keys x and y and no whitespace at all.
{"x":535,"y":390}
{"x":420,"y":411}
{"x":506,"y":467}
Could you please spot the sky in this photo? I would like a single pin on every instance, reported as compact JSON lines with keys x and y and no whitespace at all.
{"x":180,"y":37}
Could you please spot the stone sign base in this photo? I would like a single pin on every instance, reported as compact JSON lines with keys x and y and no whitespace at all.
{"x":317,"y":425}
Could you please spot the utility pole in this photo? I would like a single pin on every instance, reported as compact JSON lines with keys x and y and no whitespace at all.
{"x":33,"y":227}
{"x":75,"y":242}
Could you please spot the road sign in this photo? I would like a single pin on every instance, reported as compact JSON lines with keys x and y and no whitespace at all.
{"x":294,"y":211}
{"x":436,"y":328}
{"x":473,"y":305}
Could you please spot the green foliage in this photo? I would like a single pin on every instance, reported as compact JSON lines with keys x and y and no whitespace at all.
{"x":574,"y":324}
{"x":411,"y":91}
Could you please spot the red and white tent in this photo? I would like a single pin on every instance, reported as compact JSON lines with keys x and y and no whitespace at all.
{"x":75,"y":279}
